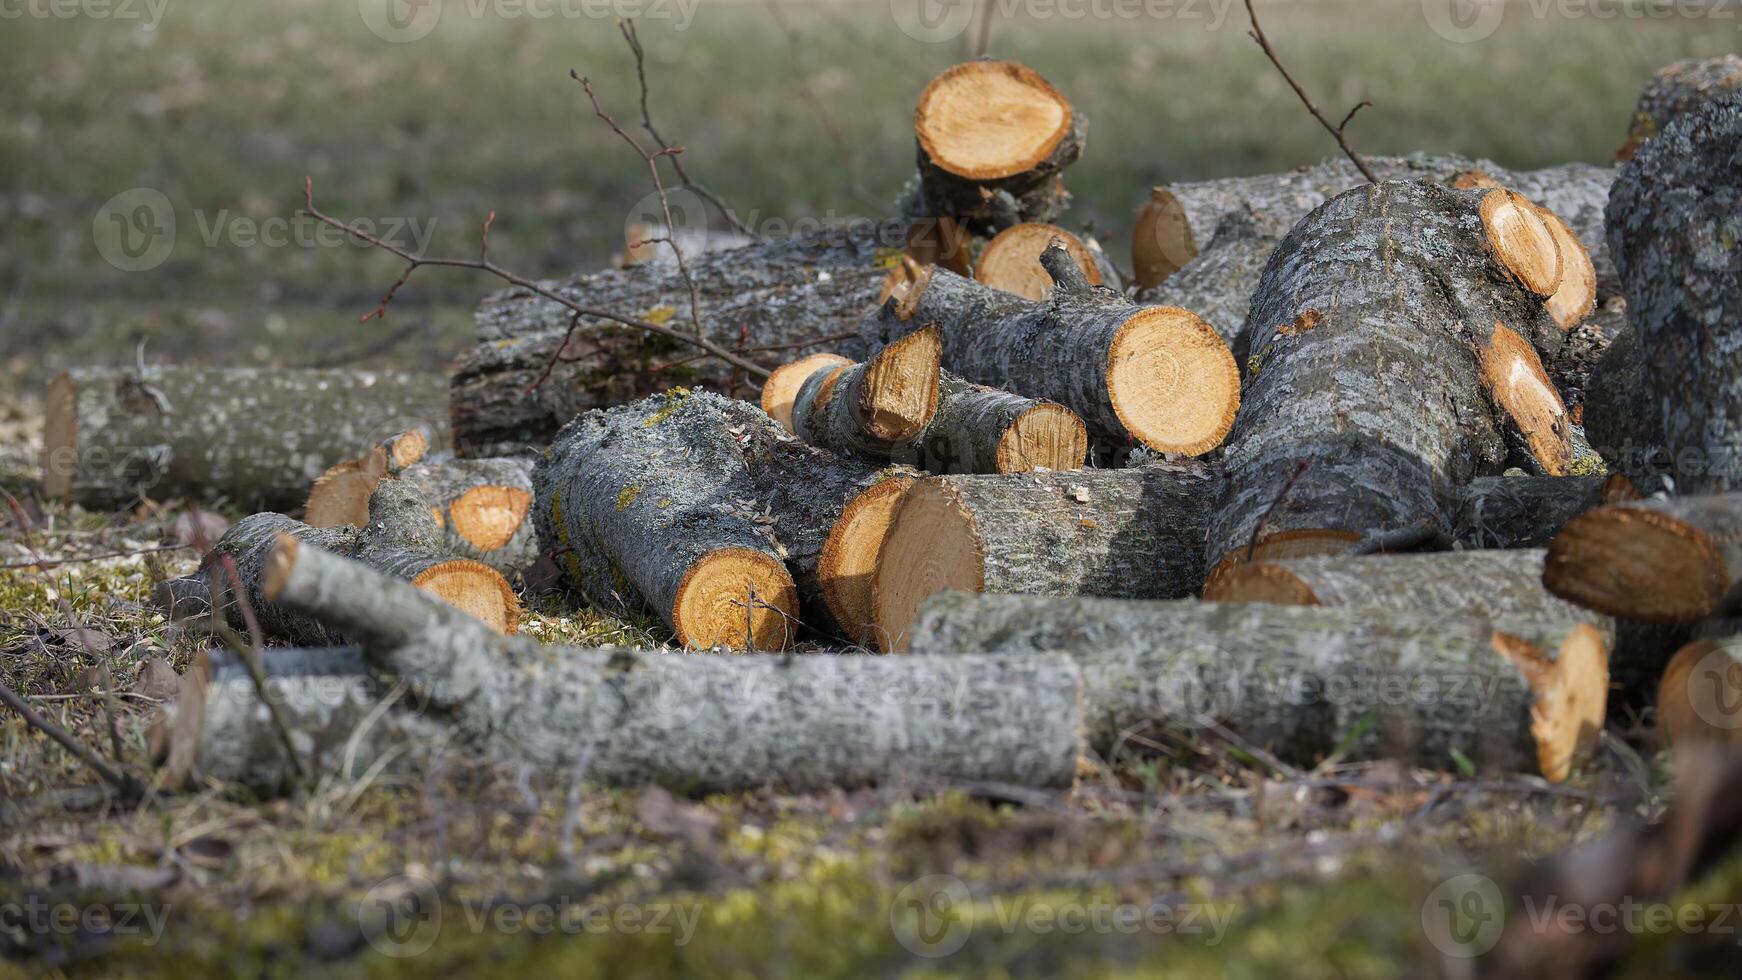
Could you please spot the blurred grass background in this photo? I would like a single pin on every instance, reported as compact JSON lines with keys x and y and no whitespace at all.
{"x":225,"y":106}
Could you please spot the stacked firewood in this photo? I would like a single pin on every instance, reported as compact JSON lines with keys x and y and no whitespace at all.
{"x":1315,"y":472}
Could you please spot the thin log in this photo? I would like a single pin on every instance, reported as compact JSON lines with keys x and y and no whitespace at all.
{"x":1659,"y":560}
{"x":482,"y":508}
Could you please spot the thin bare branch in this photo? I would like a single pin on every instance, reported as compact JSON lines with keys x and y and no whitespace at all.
{"x":131,"y":790}
{"x":1300,"y":467}
{"x":57,"y":562}
{"x":1257,"y":34}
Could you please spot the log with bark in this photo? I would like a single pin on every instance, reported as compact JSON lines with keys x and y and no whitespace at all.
{"x":1677,"y":240}
{"x":1304,"y":682}
{"x":901,"y":406}
{"x":1154,"y":373}
{"x":1659,"y":560}
{"x":1218,"y":283}
{"x":1391,"y":364}
{"x":1011,"y":260}
{"x":1676,"y":89}
{"x":691,"y":723}
{"x":481,"y":507}
{"x":340,"y":496}
{"x":1700,"y":696}
{"x":1623,"y":419}
{"x":774,"y":300}
{"x":257,"y":438}
{"x":1132,"y":533}
{"x":1523,"y":511}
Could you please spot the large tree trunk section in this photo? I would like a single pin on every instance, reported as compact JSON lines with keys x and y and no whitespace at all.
{"x":1304,"y":682}
{"x":257,"y":438}
{"x":1700,"y":696}
{"x":774,"y":300}
{"x":1674,"y":232}
{"x":1521,"y":511}
{"x":1132,"y":533}
{"x":1503,"y":588}
{"x":1676,"y":89}
{"x":993,"y":138}
{"x":692,"y":723}
{"x":1383,"y":376}
{"x":1659,"y":561}
{"x":481,"y":507}
{"x":1218,"y":284}
{"x":1011,"y":260}
{"x":341,"y":495}
{"x":1158,"y":374}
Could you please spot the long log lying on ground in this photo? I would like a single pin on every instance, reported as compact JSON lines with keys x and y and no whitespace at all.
{"x":692,"y":723}
{"x":1700,"y":696}
{"x":1673,"y":232}
{"x":1658,"y":560}
{"x":1304,"y":682}
{"x":394,"y":546}
{"x":1523,"y":511}
{"x":900,"y":406}
{"x":774,"y":300}
{"x":1154,"y":373}
{"x":340,"y":496}
{"x":1676,"y":89}
{"x":255,"y":437}
{"x":1390,"y":366}
{"x":1132,"y":533}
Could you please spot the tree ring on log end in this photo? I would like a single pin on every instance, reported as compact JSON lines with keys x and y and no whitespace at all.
{"x":983,"y":120}
{"x":714,"y":607}
{"x":849,"y":556}
{"x":1172,"y":381}
{"x":475,"y":589}
{"x":1161,"y":239}
{"x":487,"y":516}
{"x":1522,"y":389}
{"x":1577,"y":295}
{"x":1567,"y":715}
{"x":60,"y":436}
{"x":781,"y":388}
{"x":1259,"y":582}
{"x":1638,"y":564}
{"x":1306,"y":543}
{"x":1046,"y":436}
{"x":1011,"y":260}
{"x":1521,"y":241}
{"x":899,"y":391}
{"x":934,"y":546}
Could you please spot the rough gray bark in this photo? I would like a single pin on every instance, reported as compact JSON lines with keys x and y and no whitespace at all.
{"x":1676,"y":89}
{"x":774,"y":301}
{"x":1524,"y":511}
{"x":1218,"y":283}
{"x":1130,"y":533}
{"x":1623,"y":417}
{"x":1675,"y":223}
{"x":1301,"y":682}
{"x":1062,"y":349}
{"x":256,"y":438}
{"x":1661,"y":560}
{"x":1584,"y":349}
{"x":692,"y":723}
{"x":483,"y":506}
{"x":1367,"y":404}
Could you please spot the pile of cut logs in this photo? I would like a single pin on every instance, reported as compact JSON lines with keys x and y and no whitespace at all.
{"x":1429,"y":468}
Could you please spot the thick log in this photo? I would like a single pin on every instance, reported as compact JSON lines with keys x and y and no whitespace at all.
{"x":1132,"y":533}
{"x":1622,"y":414}
{"x":1011,"y":260}
{"x":993,"y":139}
{"x":1658,"y":560}
{"x":1700,"y":696}
{"x":1523,"y":511}
{"x":692,"y":723}
{"x":1676,"y":89}
{"x":1304,"y":682}
{"x":1674,"y":234}
{"x":341,"y":495}
{"x":1390,"y":366}
{"x":1154,"y":373}
{"x":256,"y":438}
{"x":481,"y":507}
{"x":773,"y":300}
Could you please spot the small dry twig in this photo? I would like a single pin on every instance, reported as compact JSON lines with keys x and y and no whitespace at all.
{"x":57,"y":562}
{"x":1337,"y":131}
{"x":131,"y":790}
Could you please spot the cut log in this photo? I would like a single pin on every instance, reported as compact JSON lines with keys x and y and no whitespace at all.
{"x":1576,"y":295}
{"x":1304,"y":682}
{"x":1384,"y":375}
{"x":341,"y":495}
{"x":848,"y":561}
{"x":1131,"y":533}
{"x":1219,"y":282}
{"x":256,"y":438}
{"x":1673,"y":232}
{"x":1011,"y":260}
{"x":1700,"y":697}
{"x":774,"y":300}
{"x":692,"y":723}
{"x":1502,"y":587}
{"x":993,"y":138}
{"x":781,"y":388}
{"x":900,"y":406}
{"x":1523,"y":511}
{"x":1676,"y":89}
{"x":481,"y":507}
{"x":1659,"y":561}
{"x":1155,"y":373}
